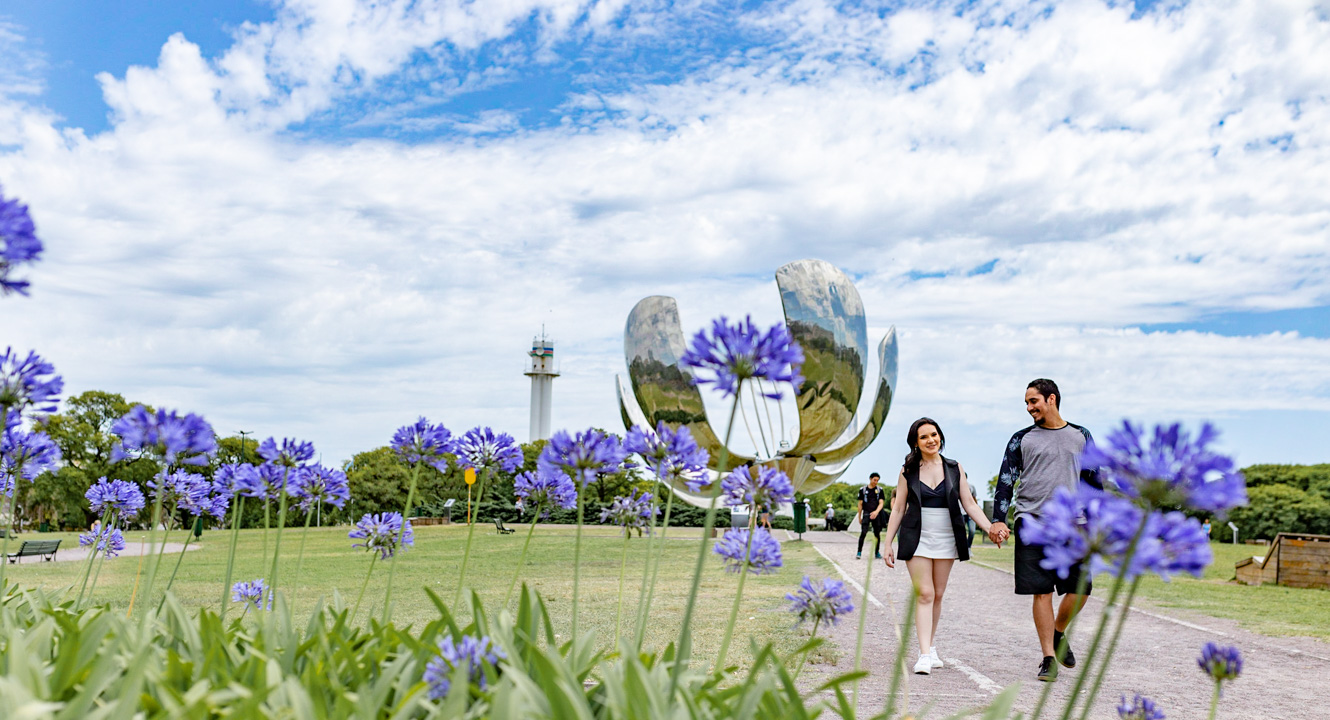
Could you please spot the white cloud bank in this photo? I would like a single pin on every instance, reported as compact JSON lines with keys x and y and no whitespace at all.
{"x":1118,"y":171}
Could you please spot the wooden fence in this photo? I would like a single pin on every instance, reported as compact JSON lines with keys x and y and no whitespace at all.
{"x":1293,"y":560}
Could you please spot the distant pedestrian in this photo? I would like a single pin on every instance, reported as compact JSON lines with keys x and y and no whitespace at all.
{"x":872,"y":515}
{"x":1205,"y":526}
{"x":831,"y":517}
{"x":765,"y":517}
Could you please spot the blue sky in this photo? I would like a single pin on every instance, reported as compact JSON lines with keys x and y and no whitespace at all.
{"x":324,"y":218}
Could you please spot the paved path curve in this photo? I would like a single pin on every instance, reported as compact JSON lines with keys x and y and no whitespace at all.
{"x":987,"y":639}
{"x":79,"y":554}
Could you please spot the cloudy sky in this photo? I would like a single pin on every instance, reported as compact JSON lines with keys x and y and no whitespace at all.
{"x":322,"y":218}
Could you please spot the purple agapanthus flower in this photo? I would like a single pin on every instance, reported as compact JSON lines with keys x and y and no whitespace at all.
{"x":175,"y":439}
{"x":475,"y":654}
{"x":105,"y":539}
{"x":318,"y":484}
{"x":28,"y":383}
{"x":483,"y":449}
{"x":19,"y":244}
{"x":121,"y":498}
{"x":673,"y":455}
{"x":587,"y":457}
{"x":234,"y":478}
{"x":183,"y":490}
{"x":291,"y":453}
{"x":630,"y":512}
{"x":380,"y":532}
{"x":1092,"y":525}
{"x":424,"y":443}
{"x":25,"y":455}
{"x":764,"y":558}
{"x":541,"y":492}
{"x":735,"y":353}
{"x":264,"y":483}
{"x":823,"y":602}
{"x":1170,"y":469}
{"x":254,"y":594}
{"x":1220,"y":662}
{"x":1139,"y":708}
{"x":1184,"y":547}
{"x":764,"y":486}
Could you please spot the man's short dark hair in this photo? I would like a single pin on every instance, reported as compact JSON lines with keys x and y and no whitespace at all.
{"x":874,"y":475}
{"x":1046,"y":387}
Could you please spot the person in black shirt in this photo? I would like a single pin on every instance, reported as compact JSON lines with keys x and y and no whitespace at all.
{"x":873,"y":501}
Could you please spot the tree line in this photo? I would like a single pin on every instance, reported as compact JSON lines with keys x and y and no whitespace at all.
{"x":378,"y":478}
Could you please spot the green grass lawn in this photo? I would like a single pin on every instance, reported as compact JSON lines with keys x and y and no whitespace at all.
{"x":331,"y":565}
{"x":1268,"y":609}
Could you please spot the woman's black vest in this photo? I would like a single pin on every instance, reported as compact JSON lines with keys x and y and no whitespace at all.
{"x":913,"y":520}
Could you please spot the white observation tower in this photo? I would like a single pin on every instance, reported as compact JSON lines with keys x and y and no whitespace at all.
{"x":542,"y":372}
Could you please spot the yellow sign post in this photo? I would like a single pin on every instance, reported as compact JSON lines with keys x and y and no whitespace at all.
{"x":470,"y":476}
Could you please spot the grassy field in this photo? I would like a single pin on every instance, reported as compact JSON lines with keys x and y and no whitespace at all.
{"x":332,"y":566}
{"x":1268,"y":609}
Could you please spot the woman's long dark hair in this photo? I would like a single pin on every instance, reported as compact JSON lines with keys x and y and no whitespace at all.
{"x":912,"y":439}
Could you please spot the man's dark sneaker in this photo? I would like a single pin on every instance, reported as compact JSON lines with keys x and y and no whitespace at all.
{"x":858,"y":556}
{"x":879,"y":556}
{"x":1065,"y":655}
{"x":1048,"y":669}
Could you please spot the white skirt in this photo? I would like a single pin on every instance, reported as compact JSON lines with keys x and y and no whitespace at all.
{"x":936,"y":538}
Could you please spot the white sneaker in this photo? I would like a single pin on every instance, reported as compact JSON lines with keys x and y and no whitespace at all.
{"x":925,"y":665}
{"x":937,"y":661}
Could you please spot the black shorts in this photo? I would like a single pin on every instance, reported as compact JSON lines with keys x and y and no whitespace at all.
{"x":1033,"y":579}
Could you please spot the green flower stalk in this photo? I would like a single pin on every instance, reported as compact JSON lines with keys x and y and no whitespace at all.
{"x":417,"y":444}
{"x":585,"y":457}
{"x":483,"y":451}
{"x":387,"y":534}
{"x":539,"y":493}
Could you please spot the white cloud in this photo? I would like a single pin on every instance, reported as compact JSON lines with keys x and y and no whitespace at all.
{"x":1119,"y":172}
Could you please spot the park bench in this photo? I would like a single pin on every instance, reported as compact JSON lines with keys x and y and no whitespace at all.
{"x":1293,"y":560}
{"x":45,"y":548}
{"x":498,"y":525}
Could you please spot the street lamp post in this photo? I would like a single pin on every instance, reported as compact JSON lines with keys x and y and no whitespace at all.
{"x":242,"y":434}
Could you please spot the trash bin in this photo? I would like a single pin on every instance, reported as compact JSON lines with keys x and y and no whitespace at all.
{"x":800,"y":518}
{"x":198,"y":527}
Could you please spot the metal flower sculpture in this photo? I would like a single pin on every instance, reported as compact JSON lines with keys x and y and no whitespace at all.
{"x":825,"y":315}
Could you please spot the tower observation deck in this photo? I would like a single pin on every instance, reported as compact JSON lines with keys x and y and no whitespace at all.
{"x":542,"y":372}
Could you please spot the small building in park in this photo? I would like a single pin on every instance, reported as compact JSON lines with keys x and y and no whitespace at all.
{"x":1293,"y":560}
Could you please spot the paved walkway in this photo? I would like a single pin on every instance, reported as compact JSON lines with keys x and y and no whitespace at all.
{"x":75,"y":553}
{"x":988,"y":642}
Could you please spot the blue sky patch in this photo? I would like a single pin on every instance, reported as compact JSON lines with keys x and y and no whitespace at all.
{"x":1308,"y":322}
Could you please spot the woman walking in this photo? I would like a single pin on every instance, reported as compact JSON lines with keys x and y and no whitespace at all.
{"x":927,"y":509}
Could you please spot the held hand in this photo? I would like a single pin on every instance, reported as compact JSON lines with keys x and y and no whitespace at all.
{"x":997,"y":532}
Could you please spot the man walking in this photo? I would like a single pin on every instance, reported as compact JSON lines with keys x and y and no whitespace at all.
{"x":1043,"y":457}
{"x":872,"y":500}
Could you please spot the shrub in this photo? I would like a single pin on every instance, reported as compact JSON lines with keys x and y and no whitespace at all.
{"x":1281,"y":508}
{"x":1314,"y":479}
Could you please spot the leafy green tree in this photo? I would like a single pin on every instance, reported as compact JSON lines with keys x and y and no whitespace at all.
{"x":1276,"y":508}
{"x":83,"y":434}
{"x":1310,"y":478}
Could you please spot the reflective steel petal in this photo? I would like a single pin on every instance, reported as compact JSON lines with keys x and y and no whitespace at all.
{"x":877,"y":415}
{"x":826,"y":317}
{"x":653,"y":342}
